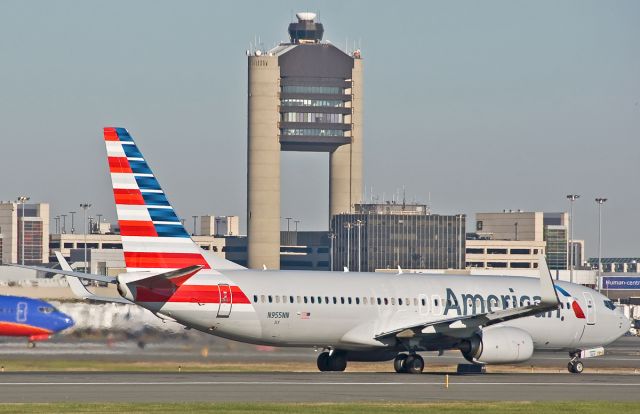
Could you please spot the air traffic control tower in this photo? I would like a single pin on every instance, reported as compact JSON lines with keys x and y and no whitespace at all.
{"x":305,"y":95}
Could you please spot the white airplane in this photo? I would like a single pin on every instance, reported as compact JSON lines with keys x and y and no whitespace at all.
{"x":350,"y":316}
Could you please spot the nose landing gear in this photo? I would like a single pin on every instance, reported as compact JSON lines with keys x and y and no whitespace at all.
{"x":408,"y":364}
{"x":575,"y":366}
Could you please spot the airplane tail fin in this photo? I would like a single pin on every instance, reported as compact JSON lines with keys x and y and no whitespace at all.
{"x":153,"y":237}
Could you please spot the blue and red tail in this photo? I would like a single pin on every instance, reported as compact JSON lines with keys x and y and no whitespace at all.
{"x":153,"y":237}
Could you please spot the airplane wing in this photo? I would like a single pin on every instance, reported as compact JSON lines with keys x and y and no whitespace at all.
{"x":549,"y":301}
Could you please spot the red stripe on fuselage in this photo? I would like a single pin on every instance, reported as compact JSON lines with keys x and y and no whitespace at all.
{"x":119,"y":165}
{"x":577,"y":310}
{"x":163,"y":260}
{"x":110,"y":134}
{"x":137,"y":228}
{"x":21,"y":329}
{"x":128,"y":197}
{"x":190,"y":294}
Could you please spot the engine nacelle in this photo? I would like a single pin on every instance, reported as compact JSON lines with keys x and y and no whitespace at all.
{"x":499,"y":345}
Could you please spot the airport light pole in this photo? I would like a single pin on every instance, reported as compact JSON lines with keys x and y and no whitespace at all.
{"x":348,"y":226}
{"x":64,"y":223}
{"x":57,"y":220}
{"x":73,"y":227}
{"x":296,"y":230}
{"x":359,"y":224}
{"x":22,"y":200}
{"x":571,"y":198}
{"x":85,"y":207}
{"x":99,"y":222}
{"x":288,"y":229}
{"x":332,"y":236}
{"x":600,"y":202}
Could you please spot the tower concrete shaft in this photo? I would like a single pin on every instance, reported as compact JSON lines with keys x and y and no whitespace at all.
{"x":263,"y":163}
{"x":345,"y":163}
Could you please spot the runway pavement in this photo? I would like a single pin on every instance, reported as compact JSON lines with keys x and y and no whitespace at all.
{"x":310,"y":387}
{"x":623,"y":356}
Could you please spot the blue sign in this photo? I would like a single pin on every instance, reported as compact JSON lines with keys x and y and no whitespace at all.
{"x":622,"y":283}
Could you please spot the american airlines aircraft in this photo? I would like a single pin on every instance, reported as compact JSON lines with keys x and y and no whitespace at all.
{"x":350,"y":316}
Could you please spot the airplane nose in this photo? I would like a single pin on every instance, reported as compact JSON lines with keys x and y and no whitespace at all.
{"x":65,"y":321}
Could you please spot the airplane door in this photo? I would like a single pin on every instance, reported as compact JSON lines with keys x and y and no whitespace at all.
{"x":21,"y":312}
{"x":224,"y":310}
{"x":591,"y":308}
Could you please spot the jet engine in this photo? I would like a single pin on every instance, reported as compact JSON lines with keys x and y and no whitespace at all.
{"x":498,"y":345}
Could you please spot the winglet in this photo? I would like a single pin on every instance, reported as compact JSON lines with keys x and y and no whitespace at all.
{"x":548,"y":294}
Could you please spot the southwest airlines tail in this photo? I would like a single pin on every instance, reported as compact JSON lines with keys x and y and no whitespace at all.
{"x":153,"y":237}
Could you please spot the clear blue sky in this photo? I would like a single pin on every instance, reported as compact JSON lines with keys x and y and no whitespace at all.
{"x":484,"y":105}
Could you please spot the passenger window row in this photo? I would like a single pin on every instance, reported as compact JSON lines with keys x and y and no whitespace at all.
{"x":341,"y":300}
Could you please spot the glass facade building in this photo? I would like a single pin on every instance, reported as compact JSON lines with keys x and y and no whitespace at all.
{"x":377,"y":239}
{"x":556,"y":238}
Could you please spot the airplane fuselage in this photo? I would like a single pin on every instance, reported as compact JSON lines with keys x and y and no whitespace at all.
{"x":348,"y":310}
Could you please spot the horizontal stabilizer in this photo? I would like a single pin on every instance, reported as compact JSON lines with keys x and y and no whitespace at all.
{"x":88,"y":276}
{"x":79,"y":289}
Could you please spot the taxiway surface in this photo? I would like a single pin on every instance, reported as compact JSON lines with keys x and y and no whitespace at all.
{"x":310,"y":387}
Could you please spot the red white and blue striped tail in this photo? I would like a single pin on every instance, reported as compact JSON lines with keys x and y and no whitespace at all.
{"x":153,"y":237}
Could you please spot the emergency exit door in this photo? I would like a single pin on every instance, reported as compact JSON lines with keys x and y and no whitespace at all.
{"x":224,"y":310}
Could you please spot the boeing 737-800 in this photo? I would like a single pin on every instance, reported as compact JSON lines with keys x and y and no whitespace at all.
{"x":350,"y":316}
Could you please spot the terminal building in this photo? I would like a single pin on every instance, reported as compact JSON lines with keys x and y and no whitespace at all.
{"x":30,"y":247}
{"x":514,"y":239}
{"x":616,"y":264}
{"x":303,"y":95}
{"x":299,"y":250}
{"x":388,"y":235}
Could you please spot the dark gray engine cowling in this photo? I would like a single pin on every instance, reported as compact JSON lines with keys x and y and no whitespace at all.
{"x":498,"y":345}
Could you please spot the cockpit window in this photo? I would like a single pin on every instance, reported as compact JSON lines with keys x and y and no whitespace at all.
{"x":45,"y":309}
{"x":609,"y":304}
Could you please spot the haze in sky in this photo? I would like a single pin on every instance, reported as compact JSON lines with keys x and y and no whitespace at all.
{"x":482,"y":106}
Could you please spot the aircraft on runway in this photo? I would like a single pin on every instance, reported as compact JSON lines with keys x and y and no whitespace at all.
{"x":350,"y":316}
{"x":34,"y":319}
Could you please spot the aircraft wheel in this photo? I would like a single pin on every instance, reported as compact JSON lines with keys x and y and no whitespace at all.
{"x":31,"y":344}
{"x":575,"y":367}
{"x":337,"y":362}
{"x":398,"y":363}
{"x":414,"y":364}
{"x":323,"y":361}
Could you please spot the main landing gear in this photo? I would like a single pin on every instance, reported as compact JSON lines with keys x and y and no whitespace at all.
{"x":334,"y":361}
{"x":575,"y":366}
{"x":408,"y":364}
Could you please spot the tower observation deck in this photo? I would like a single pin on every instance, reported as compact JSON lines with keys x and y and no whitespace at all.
{"x":304,"y":95}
